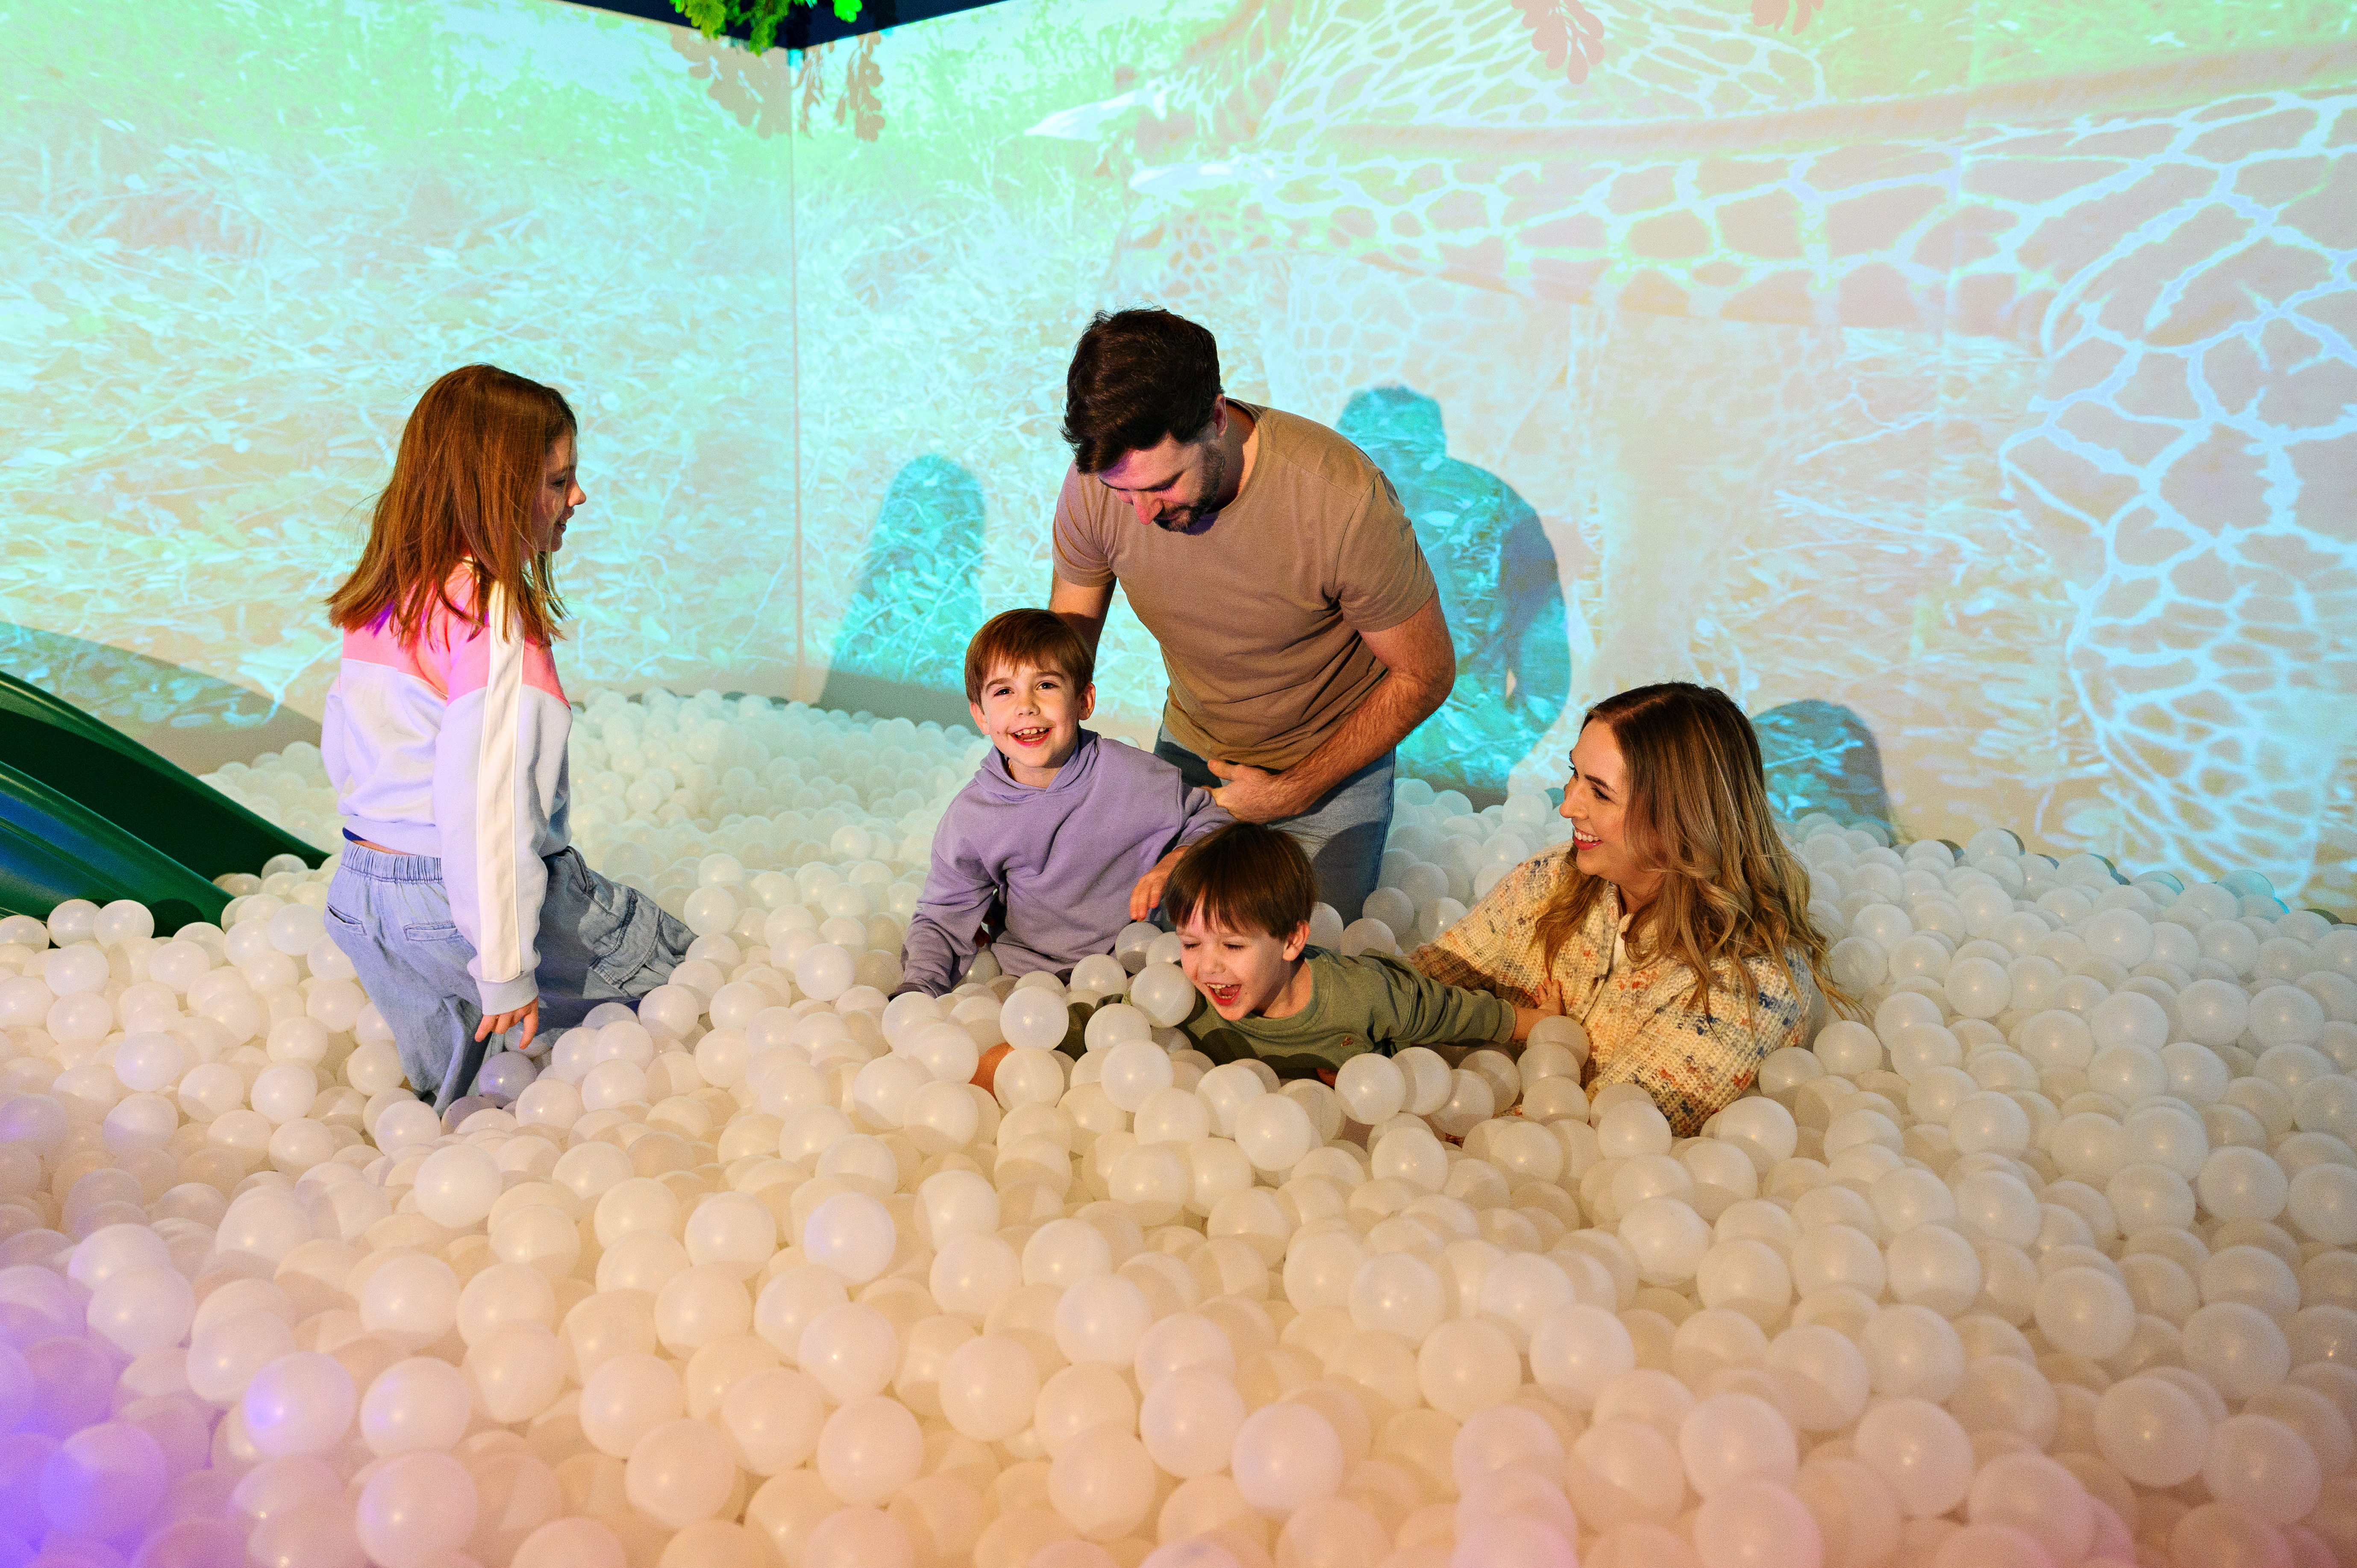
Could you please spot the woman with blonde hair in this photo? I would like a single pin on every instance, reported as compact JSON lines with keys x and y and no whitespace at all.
{"x":459,"y":897}
{"x":1675,"y":927}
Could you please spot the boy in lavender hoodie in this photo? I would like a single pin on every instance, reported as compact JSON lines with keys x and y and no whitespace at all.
{"x":1066,"y":836}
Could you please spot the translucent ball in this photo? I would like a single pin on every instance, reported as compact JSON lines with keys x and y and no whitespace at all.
{"x":2322,"y":1202}
{"x":1578,"y":1351}
{"x":1164,"y":993}
{"x":416,"y":1507}
{"x":1033,"y":1018}
{"x":1134,"y":1072}
{"x":2085,"y":1311}
{"x":143,"y":1308}
{"x":1285,"y":1457}
{"x":869,"y":1449}
{"x":680,"y":1472}
{"x":414,"y":1297}
{"x":103,"y":1480}
{"x":1372,"y":1087}
{"x":988,"y":1388}
{"x":2236,"y":1348}
{"x":825,"y":971}
{"x":2242,"y":1185}
{"x":1920,"y":1452}
{"x":1733,"y":1437}
{"x":415,"y":1404}
{"x":1103,"y":1487}
{"x":1756,"y":1524}
{"x":773,"y":1416}
{"x":2262,"y":1467}
{"x":300,"y":1403}
{"x":626,"y":1397}
{"x":457,"y":1185}
{"x":852,"y":1234}
{"x":1667,"y":1240}
{"x":1274,"y":1132}
{"x":1465,"y":1365}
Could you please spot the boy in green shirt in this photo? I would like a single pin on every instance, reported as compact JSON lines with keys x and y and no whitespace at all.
{"x":1241,"y":900}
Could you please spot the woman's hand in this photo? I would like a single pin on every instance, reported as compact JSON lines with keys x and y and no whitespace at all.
{"x":527,"y":1016}
{"x":1549,"y":1005}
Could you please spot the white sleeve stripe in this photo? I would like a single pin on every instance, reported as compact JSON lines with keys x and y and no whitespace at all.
{"x":499,"y":950}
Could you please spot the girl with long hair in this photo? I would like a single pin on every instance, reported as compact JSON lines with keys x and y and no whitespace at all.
{"x":1675,"y":924}
{"x":457,"y":897}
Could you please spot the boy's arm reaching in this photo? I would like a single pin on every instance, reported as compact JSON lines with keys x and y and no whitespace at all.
{"x":1425,"y":1012}
{"x":1199,"y":816}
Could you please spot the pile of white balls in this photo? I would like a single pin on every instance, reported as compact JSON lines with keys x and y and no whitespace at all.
{"x":2046,"y":1262}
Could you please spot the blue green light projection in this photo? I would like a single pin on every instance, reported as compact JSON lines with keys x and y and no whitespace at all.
{"x":1969,"y":389}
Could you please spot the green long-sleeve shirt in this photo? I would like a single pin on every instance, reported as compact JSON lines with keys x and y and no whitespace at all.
{"x":1355,"y":1004}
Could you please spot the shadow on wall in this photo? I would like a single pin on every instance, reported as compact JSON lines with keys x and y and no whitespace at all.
{"x":1499,"y":588}
{"x":195,"y":720}
{"x":1820,"y":756}
{"x":900,"y":649}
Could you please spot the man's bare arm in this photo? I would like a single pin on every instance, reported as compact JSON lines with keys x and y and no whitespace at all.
{"x":1420,"y":670}
{"x":1084,"y":609}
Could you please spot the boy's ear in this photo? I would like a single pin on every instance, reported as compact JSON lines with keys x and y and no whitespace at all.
{"x":976,"y":709}
{"x":1298,"y":942}
{"x":1088,"y":699}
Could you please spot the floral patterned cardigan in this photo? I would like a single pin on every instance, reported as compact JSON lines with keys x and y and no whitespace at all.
{"x":1640,"y":1028}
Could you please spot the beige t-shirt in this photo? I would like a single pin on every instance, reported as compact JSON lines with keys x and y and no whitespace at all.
{"x":1259,"y":613}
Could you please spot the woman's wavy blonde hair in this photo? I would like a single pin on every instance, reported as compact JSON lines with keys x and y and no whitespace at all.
{"x":1696,"y":806}
{"x":464,"y":481}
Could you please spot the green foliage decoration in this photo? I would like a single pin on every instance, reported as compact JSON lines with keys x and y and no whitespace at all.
{"x":760,"y":18}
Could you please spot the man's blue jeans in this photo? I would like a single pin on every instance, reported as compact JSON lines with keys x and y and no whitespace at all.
{"x":1343,"y":834}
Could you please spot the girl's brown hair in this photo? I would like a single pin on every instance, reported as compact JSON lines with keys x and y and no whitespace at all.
{"x":463,"y":487}
{"x":1696,"y":806}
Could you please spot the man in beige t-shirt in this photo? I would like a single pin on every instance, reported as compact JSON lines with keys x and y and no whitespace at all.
{"x":1269,"y":557}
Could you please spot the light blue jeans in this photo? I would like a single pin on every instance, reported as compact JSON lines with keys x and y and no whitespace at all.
{"x":390,"y":914}
{"x":1342,"y":834}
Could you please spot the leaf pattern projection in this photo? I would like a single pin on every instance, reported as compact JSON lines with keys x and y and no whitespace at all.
{"x":1569,"y":34}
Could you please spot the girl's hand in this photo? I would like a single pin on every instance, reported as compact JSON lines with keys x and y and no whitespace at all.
{"x":528,"y":1015}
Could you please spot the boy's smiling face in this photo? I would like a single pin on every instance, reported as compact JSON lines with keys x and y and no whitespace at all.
{"x":1239,"y":972}
{"x":1033,"y":717}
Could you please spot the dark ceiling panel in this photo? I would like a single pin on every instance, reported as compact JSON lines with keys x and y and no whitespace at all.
{"x":809,"y":24}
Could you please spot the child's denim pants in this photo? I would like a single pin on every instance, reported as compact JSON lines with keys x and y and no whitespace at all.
{"x":599,"y":942}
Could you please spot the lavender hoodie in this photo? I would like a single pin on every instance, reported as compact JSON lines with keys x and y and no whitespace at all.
{"x":1063,"y":861}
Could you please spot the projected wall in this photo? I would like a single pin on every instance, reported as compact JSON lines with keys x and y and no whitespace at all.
{"x":1969,"y":391}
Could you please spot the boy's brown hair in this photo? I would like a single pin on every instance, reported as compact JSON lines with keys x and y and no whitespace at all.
{"x":1245,"y":877}
{"x":1038,"y":639}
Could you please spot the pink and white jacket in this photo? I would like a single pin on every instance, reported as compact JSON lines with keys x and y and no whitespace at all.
{"x":454,"y":746}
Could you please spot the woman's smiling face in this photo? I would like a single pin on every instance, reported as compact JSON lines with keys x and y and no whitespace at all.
{"x":1595,"y":802}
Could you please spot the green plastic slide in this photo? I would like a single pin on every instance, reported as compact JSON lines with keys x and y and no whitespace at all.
{"x":49,"y":741}
{"x":53,"y":848}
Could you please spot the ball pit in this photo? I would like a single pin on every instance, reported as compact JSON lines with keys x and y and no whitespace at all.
{"x":2044,"y":1260}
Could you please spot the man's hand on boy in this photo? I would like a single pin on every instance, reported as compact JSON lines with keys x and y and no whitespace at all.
{"x":1147,"y":896}
{"x":1254,"y":794}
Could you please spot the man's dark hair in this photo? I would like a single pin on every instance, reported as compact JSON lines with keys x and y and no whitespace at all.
{"x":1136,"y":377}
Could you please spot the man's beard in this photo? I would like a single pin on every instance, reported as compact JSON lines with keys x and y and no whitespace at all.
{"x":1215,"y":476}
